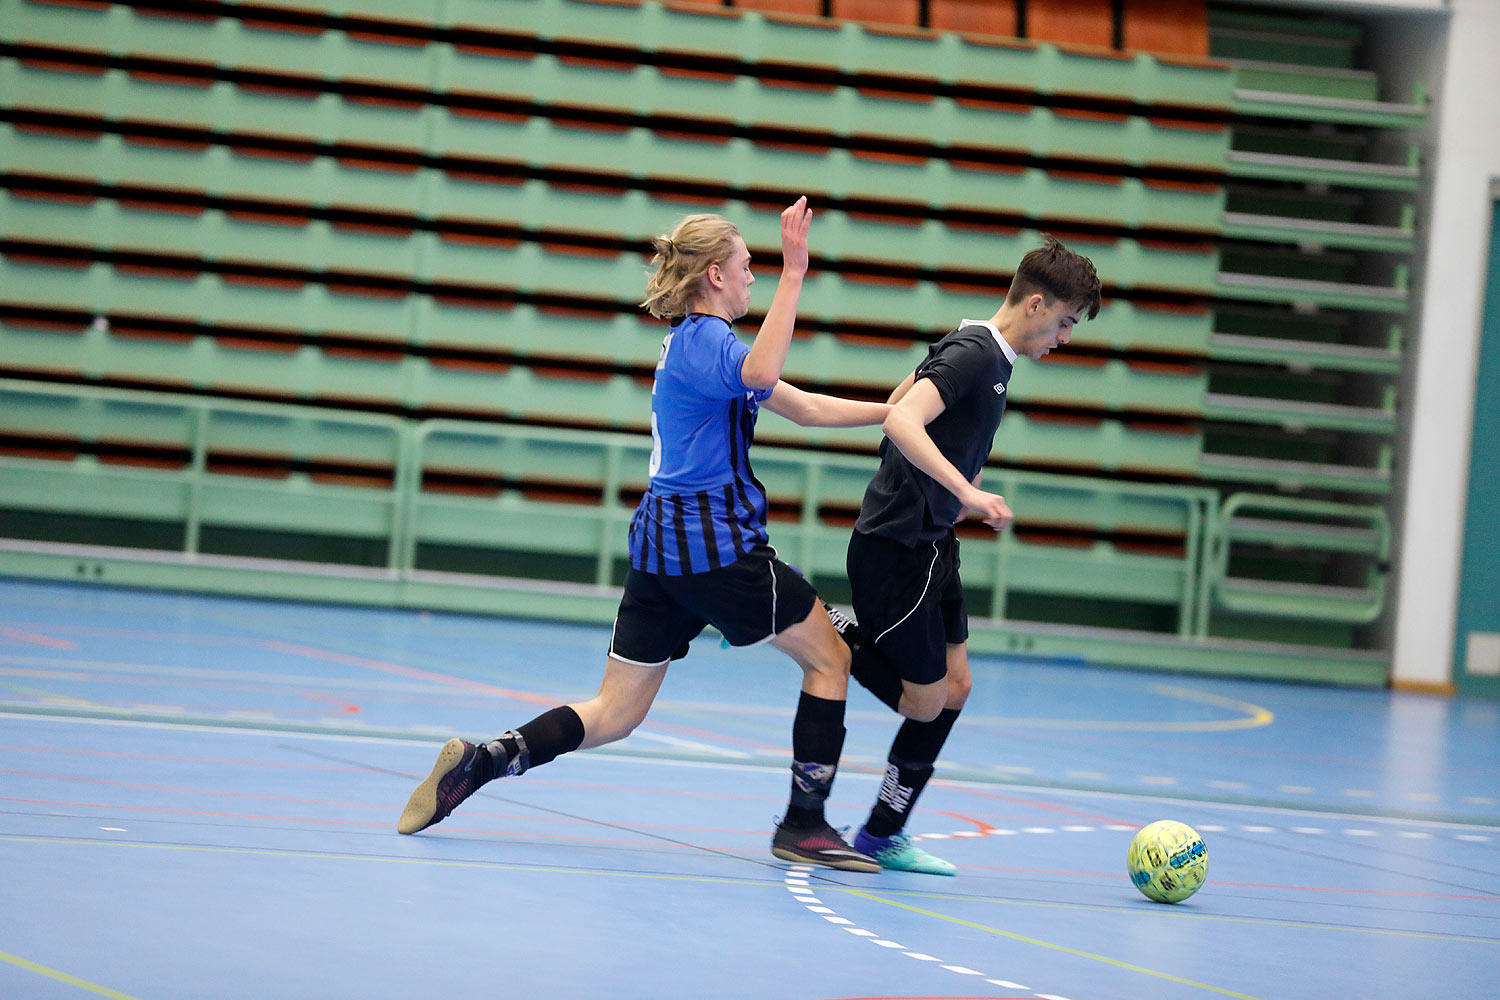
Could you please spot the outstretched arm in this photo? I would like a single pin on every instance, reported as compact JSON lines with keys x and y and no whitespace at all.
{"x":761,"y":368}
{"x":814,"y":409}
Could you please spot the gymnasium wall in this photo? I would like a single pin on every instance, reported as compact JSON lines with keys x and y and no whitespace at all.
{"x":1460,"y":166}
{"x":1477,"y":650}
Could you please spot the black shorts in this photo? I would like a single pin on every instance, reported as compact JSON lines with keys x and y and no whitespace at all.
{"x":754,"y":598}
{"x":910,"y":602}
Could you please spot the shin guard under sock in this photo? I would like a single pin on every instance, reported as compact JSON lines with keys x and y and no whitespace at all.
{"x":817,"y":741}
{"x":909,"y":766}
{"x":543,"y":739}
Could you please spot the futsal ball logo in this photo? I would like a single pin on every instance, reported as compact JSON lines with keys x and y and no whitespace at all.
{"x":1167,"y":861}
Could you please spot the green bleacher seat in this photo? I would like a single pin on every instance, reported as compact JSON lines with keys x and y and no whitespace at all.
{"x":219,"y":300}
{"x":1289,"y":527}
{"x":1273,"y":36}
{"x":640,"y":153}
{"x":639,"y":89}
{"x":530,"y":268}
{"x":188,"y":491}
{"x":541,"y":393}
{"x":227,"y":42}
{"x":633,"y":215}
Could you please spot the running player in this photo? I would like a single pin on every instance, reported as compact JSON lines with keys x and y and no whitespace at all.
{"x":910,"y":643}
{"x":699,"y":551}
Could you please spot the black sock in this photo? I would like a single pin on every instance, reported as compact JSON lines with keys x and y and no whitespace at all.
{"x":913,"y":753}
{"x":817,"y":741}
{"x":543,"y":739}
{"x":877,"y":674}
{"x":848,"y":629}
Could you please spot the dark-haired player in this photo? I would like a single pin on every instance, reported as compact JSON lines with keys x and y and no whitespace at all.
{"x":903,"y":556}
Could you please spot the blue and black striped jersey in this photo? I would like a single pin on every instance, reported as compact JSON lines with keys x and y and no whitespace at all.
{"x":704,"y":508}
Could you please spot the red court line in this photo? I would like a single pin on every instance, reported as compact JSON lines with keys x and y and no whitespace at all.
{"x":185,"y":759}
{"x":1044,"y":806}
{"x":415,"y":673}
{"x":264,"y":797}
{"x":105,"y":631}
{"x":983,"y":827}
{"x":21,"y":635}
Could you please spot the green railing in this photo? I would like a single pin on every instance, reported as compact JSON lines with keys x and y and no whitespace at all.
{"x":199,"y":462}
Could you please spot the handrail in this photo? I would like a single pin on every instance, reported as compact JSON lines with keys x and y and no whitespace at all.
{"x":1293,"y":600}
{"x":1210,"y":526}
{"x":411,"y":452}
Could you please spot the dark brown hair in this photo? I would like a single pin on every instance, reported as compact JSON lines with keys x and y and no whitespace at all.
{"x":1059,"y":274}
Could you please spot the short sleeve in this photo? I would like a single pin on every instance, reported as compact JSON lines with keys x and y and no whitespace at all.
{"x":713,"y":357}
{"x":955,"y":367}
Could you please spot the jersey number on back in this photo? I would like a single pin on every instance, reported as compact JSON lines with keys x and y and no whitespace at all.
{"x":655,"y":464}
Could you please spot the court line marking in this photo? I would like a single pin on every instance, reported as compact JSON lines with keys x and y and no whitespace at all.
{"x":980,"y":784}
{"x":796,"y":883}
{"x":386,"y":859}
{"x":36,"y":638}
{"x":1181,"y":914}
{"x":827,"y":886}
{"x":1253,"y":716}
{"x":1048,"y":944}
{"x":63,"y":977}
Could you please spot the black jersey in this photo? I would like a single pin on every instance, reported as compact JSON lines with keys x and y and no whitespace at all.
{"x":970,"y":368}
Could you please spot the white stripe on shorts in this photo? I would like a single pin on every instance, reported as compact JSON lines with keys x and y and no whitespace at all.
{"x":914,"y":607}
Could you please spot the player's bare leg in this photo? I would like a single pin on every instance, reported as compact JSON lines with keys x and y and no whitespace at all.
{"x":462,"y":768}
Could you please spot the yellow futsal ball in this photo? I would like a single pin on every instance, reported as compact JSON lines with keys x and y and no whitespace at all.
{"x":1167,"y":861}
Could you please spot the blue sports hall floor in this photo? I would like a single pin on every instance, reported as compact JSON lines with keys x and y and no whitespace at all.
{"x":198,"y":798}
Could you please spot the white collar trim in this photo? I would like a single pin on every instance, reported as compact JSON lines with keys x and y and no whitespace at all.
{"x":1010,"y":353}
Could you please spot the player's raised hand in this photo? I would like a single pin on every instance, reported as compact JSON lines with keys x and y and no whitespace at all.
{"x":991,"y":508}
{"x":795,"y":223}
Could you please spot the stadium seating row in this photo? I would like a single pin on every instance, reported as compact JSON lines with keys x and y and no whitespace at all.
{"x":1064,"y":418}
{"x":926,"y":59}
{"x":349,"y":252}
{"x":540,"y":143}
{"x":467,"y":76}
{"x":293,"y":193}
{"x":550,"y":338}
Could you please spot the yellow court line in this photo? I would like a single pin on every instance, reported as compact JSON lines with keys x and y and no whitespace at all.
{"x":1254,"y":717}
{"x":1048,"y":944}
{"x":1187,"y":914}
{"x":63,"y":977}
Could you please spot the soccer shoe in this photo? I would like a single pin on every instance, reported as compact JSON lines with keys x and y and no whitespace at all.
{"x":452,"y":780}
{"x":819,"y":845}
{"x":847,"y":628}
{"x":898,"y":853}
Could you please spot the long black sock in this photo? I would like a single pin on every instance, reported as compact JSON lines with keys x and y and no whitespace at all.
{"x":817,"y":741}
{"x":913,"y":753}
{"x":543,"y":739}
{"x":877,"y":674}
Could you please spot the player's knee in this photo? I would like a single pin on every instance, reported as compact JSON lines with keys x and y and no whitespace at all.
{"x":923,"y":702}
{"x":958,"y":691}
{"x":829,"y":660}
{"x":609,"y":719}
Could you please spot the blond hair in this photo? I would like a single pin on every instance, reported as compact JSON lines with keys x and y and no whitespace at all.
{"x":682,"y":259}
